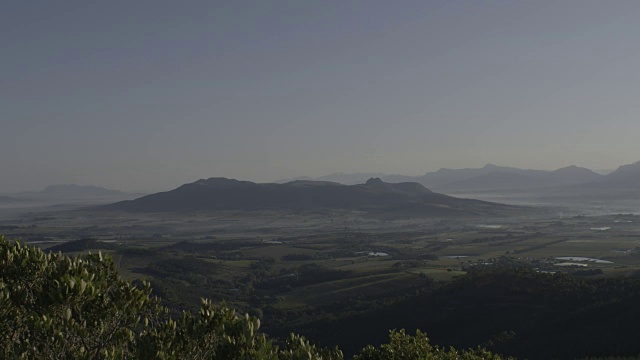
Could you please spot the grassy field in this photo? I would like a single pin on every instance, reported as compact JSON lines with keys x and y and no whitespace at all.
{"x":437,"y":249}
{"x":317,"y":272}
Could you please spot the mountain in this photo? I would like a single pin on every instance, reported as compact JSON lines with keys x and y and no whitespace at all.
{"x":73,"y":190}
{"x":500,"y":178}
{"x":626,"y":174}
{"x":346,"y":179}
{"x":492,"y":181}
{"x":571,"y":186}
{"x":574,"y":174}
{"x":430,"y":179}
{"x":71,"y":193}
{"x":8,"y":200}
{"x":374,"y":195}
{"x":488,"y":177}
{"x":621,"y":184}
{"x":447,"y":176}
{"x":625,"y":179}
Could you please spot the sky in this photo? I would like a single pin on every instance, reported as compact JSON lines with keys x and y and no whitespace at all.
{"x":148,"y":95}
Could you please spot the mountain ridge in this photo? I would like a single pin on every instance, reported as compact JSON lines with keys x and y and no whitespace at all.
{"x":454,"y":179}
{"x":72,"y":194}
{"x":373,"y":195}
{"x":75,"y":189}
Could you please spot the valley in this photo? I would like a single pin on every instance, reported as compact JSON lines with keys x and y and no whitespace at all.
{"x":306,"y":271}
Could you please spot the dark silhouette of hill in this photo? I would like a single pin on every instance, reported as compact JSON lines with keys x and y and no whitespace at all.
{"x":514,"y":311}
{"x":346,"y":179}
{"x":374,"y":195}
{"x":82,"y":245}
{"x":430,"y":179}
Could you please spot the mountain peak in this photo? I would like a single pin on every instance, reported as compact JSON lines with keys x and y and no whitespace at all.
{"x":375,"y":182}
{"x":630,"y":172}
{"x":572,"y":169}
{"x":219,"y":182}
{"x":58,"y":187}
{"x":74,"y":189}
{"x":409,"y":197}
{"x":215,"y":181}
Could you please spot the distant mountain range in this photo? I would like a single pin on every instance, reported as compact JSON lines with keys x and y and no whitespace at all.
{"x":374,"y":195}
{"x":8,"y":200}
{"x":501,"y":178}
{"x":346,"y":179}
{"x":71,"y":193}
{"x":73,"y":190}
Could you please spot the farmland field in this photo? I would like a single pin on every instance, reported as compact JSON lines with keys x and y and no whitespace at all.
{"x":300,"y":270}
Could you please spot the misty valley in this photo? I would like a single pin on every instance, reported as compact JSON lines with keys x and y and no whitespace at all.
{"x":342,"y":264}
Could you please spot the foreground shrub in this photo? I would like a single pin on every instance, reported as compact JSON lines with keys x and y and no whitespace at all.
{"x":402,"y":346}
{"x":56,"y":307}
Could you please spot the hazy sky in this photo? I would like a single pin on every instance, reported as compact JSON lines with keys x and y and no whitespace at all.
{"x":147,"y":95}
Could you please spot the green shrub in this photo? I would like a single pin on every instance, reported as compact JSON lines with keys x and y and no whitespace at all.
{"x":55,"y":307}
{"x":407,"y":347}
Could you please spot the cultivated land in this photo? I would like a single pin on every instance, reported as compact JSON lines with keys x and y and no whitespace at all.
{"x":302,"y":270}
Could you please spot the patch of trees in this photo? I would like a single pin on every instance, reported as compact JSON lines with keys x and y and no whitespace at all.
{"x":10,"y":227}
{"x":54,"y":307}
{"x":587,"y":272}
{"x":297,"y":257}
{"x":427,"y":257}
{"x":82,"y":245}
{"x":398,"y":265}
{"x":492,"y":238}
{"x":402,"y":346}
{"x":137,"y":251}
{"x":335,"y":254}
{"x":303,"y":275}
{"x":538,"y":247}
{"x":517,"y":239}
{"x":187,"y":268}
{"x":509,"y":310}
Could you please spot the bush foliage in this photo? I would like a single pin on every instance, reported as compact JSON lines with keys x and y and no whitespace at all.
{"x":53,"y":307}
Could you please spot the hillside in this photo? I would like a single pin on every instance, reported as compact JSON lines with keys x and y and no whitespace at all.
{"x":73,"y":190}
{"x":8,"y":200}
{"x":486,"y":178}
{"x":621,"y":184}
{"x":73,"y":194}
{"x":524,"y":179}
{"x":346,"y":179}
{"x":81,"y":308}
{"x":374,"y":195}
{"x":625,"y":174}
